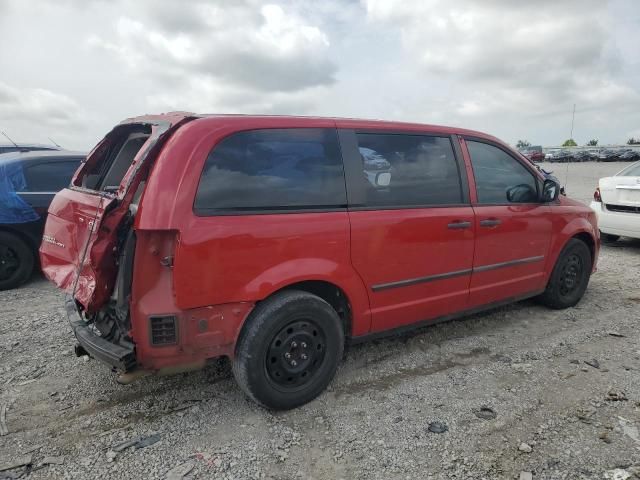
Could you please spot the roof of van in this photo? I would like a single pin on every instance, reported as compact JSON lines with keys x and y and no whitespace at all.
{"x":309,"y":121}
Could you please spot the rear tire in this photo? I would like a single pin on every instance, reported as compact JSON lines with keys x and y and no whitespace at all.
{"x":16,"y":261}
{"x":570,"y":276}
{"x":288,"y":350}
{"x":609,"y":238}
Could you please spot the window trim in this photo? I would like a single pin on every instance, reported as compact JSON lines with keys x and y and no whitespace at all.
{"x":271,"y":210}
{"x":356,"y":189}
{"x":538,"y":180}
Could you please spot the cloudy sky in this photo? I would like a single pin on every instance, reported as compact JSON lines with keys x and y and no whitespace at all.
{"x":71,"y":69}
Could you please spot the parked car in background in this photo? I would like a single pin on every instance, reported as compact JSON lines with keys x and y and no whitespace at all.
{"x":561,"y":156}
{"x":28,"y":183}
{"x":269,"y":240}
{"x":630,"y":155}
{"x":585,"y":156}
{"x":534,"y":153}
{"x":550,"y":154}
{"x":25,"y":147}
{"x":609,"y":155}
{"x":616,"y":202}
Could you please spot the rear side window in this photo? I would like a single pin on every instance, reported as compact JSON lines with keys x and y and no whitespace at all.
{"x":276,"y":169}
{"x":409,"y":170}
{"x":49,"y":177}
{"x":107,"y":170}
{"x":500,"y":178}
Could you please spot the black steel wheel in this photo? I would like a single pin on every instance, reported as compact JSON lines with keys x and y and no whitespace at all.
{"x":570,"y":276}
{"x":295,"y":354}
{"x":288,"y":350}
{"x":16,"y":261}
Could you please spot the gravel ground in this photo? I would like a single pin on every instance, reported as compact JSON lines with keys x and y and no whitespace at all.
{"x":556,"y":416}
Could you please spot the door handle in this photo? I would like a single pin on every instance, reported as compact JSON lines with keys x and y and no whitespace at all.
{"x":458,"y":225}
{"x":490,"y":222}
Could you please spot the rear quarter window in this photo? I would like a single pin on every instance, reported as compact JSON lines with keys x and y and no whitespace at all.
{"x":275,"y":169}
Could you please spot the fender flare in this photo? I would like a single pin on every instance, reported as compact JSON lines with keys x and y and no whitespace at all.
{"x":316,"y":269}
{"x":575,"y":227}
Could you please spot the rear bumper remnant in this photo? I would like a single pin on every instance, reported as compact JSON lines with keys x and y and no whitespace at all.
{"x":118,"y":356}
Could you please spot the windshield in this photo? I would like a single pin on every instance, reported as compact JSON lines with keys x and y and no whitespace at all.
{"x":631,"y":171}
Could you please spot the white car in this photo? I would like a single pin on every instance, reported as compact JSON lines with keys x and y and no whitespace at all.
{"x":616,"y":202}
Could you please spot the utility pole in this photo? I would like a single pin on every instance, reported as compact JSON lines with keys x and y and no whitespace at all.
{"x":573,"y":117}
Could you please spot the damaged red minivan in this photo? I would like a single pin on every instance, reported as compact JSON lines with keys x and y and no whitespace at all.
{"x":274,"y":240}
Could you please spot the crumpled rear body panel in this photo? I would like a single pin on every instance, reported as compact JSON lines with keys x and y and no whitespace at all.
{"x":79,"y":248}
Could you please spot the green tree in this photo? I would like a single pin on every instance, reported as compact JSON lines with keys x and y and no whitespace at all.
{"x":570,"y":143}
{"x":592,"y":143}
{"x":633,"y":141}
{"x":523,"y":144}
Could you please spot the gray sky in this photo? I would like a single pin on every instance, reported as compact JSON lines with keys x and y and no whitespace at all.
{"x":71,"y":69}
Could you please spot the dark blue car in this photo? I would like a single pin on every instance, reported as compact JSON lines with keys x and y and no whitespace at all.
{"x":28,"y":183}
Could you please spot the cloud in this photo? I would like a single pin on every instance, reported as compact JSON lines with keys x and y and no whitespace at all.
{"x":535,"y":58}
{"x":33,"y":114}
{"x":262,"y":48}
{"x":37,"y":105}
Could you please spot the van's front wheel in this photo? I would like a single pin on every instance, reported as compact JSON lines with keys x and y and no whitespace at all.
{"x":570,"y":276}
{"x":288,"y":350}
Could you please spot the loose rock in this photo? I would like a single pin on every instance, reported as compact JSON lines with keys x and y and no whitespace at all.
{"x":525,"y":447}
{"x":437,"y":427}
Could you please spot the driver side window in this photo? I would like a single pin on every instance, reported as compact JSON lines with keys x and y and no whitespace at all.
{"x":500,"y":178}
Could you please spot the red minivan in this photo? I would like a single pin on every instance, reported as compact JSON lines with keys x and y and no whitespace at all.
{"x":273,"y":240}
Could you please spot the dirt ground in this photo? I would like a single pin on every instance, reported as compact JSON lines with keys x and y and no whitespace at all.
{"x":563,"y":386}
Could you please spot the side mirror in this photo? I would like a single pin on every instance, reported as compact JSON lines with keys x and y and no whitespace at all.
{"x":550,"y":190}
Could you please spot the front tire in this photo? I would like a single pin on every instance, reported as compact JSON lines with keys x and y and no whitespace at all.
{"x":570,"y":276}
{"x":288,"y":350}
{"x":16,"y":261}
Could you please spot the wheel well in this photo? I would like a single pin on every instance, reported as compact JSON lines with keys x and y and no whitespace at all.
{"x":588,"y":239}
{"x":331,"y":294}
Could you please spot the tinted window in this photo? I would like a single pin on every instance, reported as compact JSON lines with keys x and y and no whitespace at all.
{"x":50,"y":177}
{"x":273,"y":169}
{"x":406,"y":170}
{"x":500,"y":178}
{"x":123,"y":160}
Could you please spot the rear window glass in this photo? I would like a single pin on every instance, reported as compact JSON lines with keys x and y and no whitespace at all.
{"x":273,"y":169}
{"x":49,"y":177}
{"x":407,"y":170}
{"x":630,"y":171}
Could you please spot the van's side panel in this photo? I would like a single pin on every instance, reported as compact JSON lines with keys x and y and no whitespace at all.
{"x":243,"y":258}
{"x":248,"y":257}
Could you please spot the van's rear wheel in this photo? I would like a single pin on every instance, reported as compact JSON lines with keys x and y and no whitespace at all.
{"x":570,"y":276}
{"x":288,"y":350}
{"x":16,"y":261}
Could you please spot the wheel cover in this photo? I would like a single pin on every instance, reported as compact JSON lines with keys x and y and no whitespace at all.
{"x":9,"y":262}
{"x":295,"y":353}
{"x":571,"y":274}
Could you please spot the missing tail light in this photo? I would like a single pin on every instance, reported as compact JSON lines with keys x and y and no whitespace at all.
{"x":596,"y":195}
